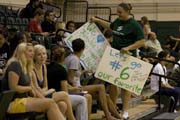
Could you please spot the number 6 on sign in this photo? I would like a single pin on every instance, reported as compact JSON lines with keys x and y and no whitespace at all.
{"x":124,"y":75}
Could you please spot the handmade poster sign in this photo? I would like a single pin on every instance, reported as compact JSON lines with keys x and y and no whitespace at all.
{"x":123,"y":70}
{"x":95,"y":44}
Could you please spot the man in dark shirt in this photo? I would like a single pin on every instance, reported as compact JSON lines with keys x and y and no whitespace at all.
{"x":48,"y":24}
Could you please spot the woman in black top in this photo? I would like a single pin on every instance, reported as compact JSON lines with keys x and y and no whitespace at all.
{"x":57,"y":79}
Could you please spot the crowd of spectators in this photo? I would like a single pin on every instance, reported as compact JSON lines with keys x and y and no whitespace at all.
{"x":24,"y":67}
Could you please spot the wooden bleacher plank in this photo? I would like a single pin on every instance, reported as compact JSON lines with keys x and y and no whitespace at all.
{"x":97,"y":116}
{"x":167,"y":116}
{"x":145,"y":108}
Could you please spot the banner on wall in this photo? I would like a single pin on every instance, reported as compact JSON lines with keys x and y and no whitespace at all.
{"x":95,"y":44}
{"x":123,"y":70}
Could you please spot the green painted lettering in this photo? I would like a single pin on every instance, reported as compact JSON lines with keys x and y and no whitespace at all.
{"x":104,"y":76}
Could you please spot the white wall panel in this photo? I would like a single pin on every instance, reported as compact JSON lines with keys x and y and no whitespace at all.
{"x":18,"y":2}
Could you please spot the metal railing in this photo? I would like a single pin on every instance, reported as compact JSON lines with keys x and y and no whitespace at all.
{"x":103,"y":12}
{"x":56,"y":9}
{"x":75,"y":10}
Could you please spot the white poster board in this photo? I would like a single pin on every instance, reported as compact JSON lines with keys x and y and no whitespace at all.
{"x":95,"y":44}
{"x":123,"y":70}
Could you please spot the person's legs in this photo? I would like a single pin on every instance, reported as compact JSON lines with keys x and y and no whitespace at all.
{"x":126,"y":96}
{"x":80,"y":105}
{"x":100,"y":91}
{"x":113,"y":93}
{"x":172,"y":92}
{"x":89,"y":104}
{"x":44,"y":105}
{"x":63,"y":107}
{"x":63,"y":96}
{"x":112,"y":107}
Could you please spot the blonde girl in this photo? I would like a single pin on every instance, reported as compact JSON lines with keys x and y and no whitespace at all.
{"x":17,"y":77}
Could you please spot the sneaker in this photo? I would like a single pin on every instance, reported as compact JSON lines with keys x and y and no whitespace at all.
{"x":125,"y":116}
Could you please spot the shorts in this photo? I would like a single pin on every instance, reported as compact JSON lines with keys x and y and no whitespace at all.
{"x":18,"y":106}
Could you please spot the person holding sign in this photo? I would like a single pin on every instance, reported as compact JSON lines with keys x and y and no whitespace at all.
{"x":127,"y":37}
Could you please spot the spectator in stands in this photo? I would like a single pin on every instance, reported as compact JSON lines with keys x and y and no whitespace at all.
{"x":60,"y":35}
{"x":60,"y":32}
{"x":40,"y":81}
{"x":4,"y":51}
{"x":57,"y":79}
{"x":72,"y":63}
{"x":153,"y":44}
{"x":175,"y":73}
{"x":35,"y":23}
{"x":18,"y":38}
{"x":166,"y":88}
{"x":60,"y":25}
{"x":17,"y":77}
{"x":146,"y":26}
{"x":31,"y":7}
{"x":172,"y":46}
{"x":128,"y":36}
{"x":169,"y":44}
{"x":28,"y":36}
{"x":48,"y":25}
{"x":108,"y":34}
{"x":11,"y":34}
{"x":70,"y":26}
{"x":6,"y":32}
{"x":177,"y":39}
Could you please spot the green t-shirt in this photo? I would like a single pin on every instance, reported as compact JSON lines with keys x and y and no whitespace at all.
{"x":126,"y":33}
